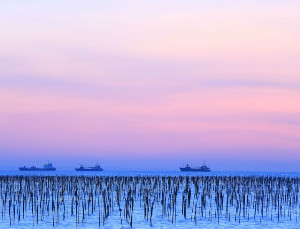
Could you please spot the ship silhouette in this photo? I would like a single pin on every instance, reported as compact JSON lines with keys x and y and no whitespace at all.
{"x":97,"y":167}
{"x":46,"y":167}
{"x":203,"y":168}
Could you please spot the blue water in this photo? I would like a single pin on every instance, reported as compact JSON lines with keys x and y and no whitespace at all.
{"x":113,"y":221}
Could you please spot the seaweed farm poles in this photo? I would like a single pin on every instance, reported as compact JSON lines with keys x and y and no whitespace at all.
{"x":54,"y":199}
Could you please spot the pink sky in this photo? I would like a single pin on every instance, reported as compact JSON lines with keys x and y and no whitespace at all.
{"x":149,"y":82}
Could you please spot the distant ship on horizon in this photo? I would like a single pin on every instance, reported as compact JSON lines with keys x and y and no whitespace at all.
{"x":97,"y":167}
{"x":46,"y":167}
{"x":203,"y":168}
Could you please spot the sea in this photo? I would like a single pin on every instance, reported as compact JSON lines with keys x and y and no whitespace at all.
{"x":163,"y":218}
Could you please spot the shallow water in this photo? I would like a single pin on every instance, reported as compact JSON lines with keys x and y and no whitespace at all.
{"x":159,"y":220}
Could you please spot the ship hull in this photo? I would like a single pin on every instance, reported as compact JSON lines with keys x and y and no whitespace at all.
{"x":194,"y":170}
{"x":37,"y":169}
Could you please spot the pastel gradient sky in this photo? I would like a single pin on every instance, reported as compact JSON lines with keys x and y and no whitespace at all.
{"x":150,"y":85}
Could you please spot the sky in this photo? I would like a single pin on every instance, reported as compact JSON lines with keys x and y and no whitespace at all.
{"x":150,"y":85}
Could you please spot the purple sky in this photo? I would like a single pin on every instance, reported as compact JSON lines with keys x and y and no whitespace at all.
{"x":150,"y":85}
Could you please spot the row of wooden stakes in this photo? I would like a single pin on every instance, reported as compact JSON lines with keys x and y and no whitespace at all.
{"x":214,"y":198}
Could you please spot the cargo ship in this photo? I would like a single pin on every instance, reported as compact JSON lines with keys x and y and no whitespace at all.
{"x":92,"y":168}
{"x":203,"y":168}
{"x":46,"y":167}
